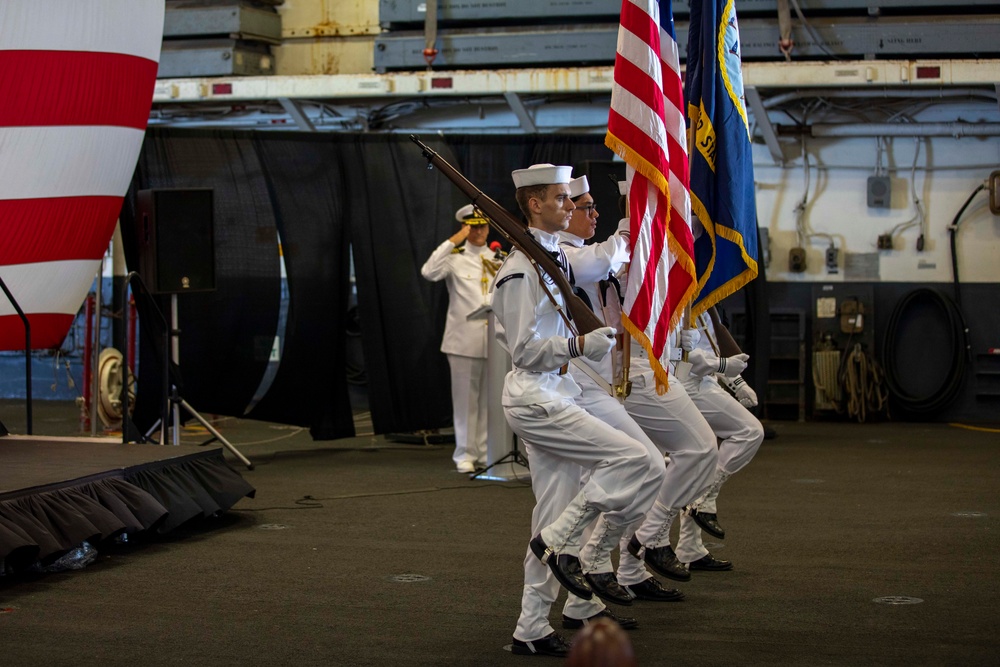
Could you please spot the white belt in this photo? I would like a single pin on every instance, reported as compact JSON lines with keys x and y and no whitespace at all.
{"x":593,"y":375}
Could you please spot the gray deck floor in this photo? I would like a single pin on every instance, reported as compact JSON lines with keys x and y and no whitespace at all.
{"x":826,"y":519}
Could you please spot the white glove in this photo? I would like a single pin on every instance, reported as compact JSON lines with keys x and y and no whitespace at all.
{"x":702,"y":364}
{"x":734,"y":365}
{"x":690,"y":339}
{"x":743,"y":393}
{"x":595,"y":345}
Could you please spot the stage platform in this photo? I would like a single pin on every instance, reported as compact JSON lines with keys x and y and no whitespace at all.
{"x":58,"y":492}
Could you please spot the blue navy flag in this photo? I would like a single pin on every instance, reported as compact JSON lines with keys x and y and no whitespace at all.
{"x":722,"y":189}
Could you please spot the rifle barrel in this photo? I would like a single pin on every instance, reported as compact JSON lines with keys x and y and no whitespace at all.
{"x":583,"y":318}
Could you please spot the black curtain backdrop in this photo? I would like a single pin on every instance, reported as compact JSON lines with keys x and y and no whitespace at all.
{"x":400,"y":212}
{"x":309,"y":192}
{"x":226,"y":335}
{"x":220,"y":360}
{"x":488,"y":161}
{"x":324,"y":196}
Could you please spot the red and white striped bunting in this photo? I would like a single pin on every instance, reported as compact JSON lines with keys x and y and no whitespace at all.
{"x":76,"y":84}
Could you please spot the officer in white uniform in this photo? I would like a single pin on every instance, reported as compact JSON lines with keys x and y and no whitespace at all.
{"x":467,"y":271}
{"x":739,"y":432}
{"x":560,"y":438}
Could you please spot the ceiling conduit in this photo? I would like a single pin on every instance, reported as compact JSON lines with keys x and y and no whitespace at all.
{"x":956,"y":130}
{"x":935,"y":95}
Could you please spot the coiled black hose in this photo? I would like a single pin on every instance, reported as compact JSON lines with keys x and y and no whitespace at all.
{"x":941,"y":397}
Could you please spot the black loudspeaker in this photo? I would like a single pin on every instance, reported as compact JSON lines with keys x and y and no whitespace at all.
{"x":176,"y":235}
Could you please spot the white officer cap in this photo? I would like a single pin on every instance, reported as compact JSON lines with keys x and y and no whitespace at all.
{"x":469,"y":215}
{"x":578,"y":186}
{"x":541,"y":174}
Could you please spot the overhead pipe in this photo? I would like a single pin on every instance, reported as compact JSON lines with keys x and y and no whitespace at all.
{"x":430,"y":34}
{"x":956,"y":130}
{"x":812,"y":93}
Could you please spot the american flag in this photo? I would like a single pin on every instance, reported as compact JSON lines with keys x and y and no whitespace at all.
{"x":646,"y":127}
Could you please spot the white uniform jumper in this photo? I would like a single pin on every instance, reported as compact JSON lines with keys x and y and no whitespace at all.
{"x":561,"y":439}
{"x":467,"y":274}
{"x":740,"y":434}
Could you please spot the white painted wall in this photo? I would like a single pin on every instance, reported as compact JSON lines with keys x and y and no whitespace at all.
{"x":947,"y":172}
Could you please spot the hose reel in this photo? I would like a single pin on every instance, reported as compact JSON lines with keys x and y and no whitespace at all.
{"x":109,"y":388}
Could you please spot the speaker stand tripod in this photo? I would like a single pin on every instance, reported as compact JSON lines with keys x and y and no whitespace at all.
{"x":177,"y":401}
{"x":514,"y":457}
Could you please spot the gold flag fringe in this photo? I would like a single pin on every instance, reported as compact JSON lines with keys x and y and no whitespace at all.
{"x":734,"y":284}
{"x":661,"y":375}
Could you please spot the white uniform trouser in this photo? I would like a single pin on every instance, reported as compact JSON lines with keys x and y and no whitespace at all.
{"x":739,"y":432}
{"x":676,"y":427}
{"x":740,"y":435}
{"x":599,"y":403}
{"x":469,"y":396}
{"x":562,"y":441}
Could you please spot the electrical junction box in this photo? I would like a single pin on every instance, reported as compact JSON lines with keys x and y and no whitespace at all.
{"x":831,"y":260}
{"x":797,"y":260}
{"x":879,"y":191}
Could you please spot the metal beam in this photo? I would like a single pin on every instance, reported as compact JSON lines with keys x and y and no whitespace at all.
{"x":861,"y":75}
{"x":294,"y":109}
{"x":764,"y":123}
{"x":514,"y":101}
{"x":396,"y":12}
{"x":832,"y":38}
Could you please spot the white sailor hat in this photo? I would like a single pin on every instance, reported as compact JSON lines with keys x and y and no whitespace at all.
{"x":579,"y":186}
{"x":541,"y":174}
{"x":470,"y":215}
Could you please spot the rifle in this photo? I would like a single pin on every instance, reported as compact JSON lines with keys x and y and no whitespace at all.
{"x":727,"y":344}
{"x":583,"y":318}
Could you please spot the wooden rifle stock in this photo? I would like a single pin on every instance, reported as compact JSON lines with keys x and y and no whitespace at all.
{"x":728,"y":346}
{"x":583,"y":318}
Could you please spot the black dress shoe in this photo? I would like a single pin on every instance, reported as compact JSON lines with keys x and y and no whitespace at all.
{"x":606,"y":586}
{"x":663,"y":560}
{"x":709,"y":522}
{"x":566,"y":568}
{"x":711,"y":564}
{"x":576,"y":623}
{"x":553,"y":645}
{"x":651,"y":589}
